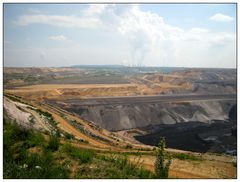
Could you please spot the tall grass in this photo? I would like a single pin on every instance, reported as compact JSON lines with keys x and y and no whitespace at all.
{"x":84,"y":156}
{"x":53,"y":143}
{"x":121,"y":168}
{"x":19,"y":163}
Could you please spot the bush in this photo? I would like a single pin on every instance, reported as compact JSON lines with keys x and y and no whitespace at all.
{"x":162,"y":165}
{"x":69,"y":136}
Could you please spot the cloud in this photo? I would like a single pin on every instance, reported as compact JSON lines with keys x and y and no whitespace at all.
{"x":148,"y":38}
{"x":55,"y":20}
{"x":195,"y":34}
{"x":94,"y":9}
{"x":152,"y":38}
{"x":223,"y":38}
{"x":199,"y":30}
{"x":145,"y":31}
{"x":58,"y":37}
{"x":221,"y":18}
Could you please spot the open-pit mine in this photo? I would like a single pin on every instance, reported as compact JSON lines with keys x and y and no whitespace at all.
{"x":129,"y":109}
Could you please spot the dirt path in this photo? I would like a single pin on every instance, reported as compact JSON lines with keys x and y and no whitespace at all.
{"x":104,"y":133}
{"x":82,"y":122}
{"x":104,"y":150}
{"x":192,"y":169}
{"x":64,"y":125}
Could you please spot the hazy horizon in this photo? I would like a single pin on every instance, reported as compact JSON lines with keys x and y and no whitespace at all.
{"x":115,"y":65}
{"x":138,"y":35}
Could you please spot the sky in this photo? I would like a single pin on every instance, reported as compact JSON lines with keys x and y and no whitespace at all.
{"x":164,"y":35}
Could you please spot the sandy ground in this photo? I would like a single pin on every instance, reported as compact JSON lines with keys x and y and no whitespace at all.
{"x":22,"y":117}
{"x":71,"y":86}
{"x":63,"y":124}
{"x":192,"y":169}
{"x":137,"y":87}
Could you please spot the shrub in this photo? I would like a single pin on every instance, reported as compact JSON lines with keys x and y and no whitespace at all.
{"x":69,"y":136}
{"x":162,"y":165}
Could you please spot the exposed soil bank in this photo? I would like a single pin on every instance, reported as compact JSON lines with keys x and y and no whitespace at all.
{"x":123,"y":117}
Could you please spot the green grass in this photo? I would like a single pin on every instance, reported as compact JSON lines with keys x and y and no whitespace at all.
{"x":28,"y":155}
{"x":82,"y":155}
{"x":53,"y":143}
{"x":184,"y":156}
{"x":114,"y":167}
{"x":19,"y":163}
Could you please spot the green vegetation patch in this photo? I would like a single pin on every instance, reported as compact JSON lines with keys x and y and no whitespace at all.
{"x":53,"y":143}
{"x":186,"y":156}
{"x":20,"y":163}
{"x":112,"y":167}
{"x":83,"y":155}
{"x":28,"y":155}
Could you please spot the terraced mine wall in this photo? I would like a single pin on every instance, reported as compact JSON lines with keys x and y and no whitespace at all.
{"x":122,"y":117}
{"x":198,"y":126}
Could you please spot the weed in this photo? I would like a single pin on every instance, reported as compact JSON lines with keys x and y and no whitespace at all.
{"x":163,"y":161}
